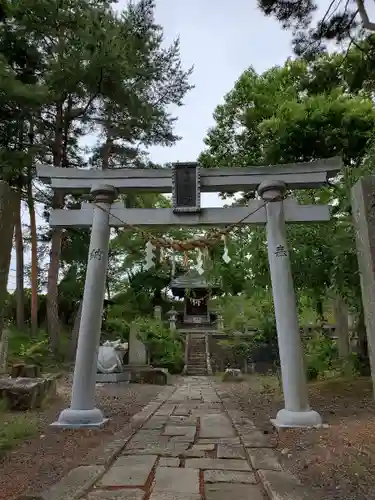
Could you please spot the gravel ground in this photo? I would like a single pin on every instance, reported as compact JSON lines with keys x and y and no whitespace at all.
{"x":42,"y":460}
{"x":337,"y":462}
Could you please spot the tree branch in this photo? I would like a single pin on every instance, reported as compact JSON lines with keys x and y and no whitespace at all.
{"x":367,"y":24}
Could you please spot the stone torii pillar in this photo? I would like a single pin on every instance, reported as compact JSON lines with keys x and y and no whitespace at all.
{"x":297,"y":412}
{"x":82,"y":411}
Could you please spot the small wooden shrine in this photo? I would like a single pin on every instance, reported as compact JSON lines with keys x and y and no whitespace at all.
{"x":196,"y":292}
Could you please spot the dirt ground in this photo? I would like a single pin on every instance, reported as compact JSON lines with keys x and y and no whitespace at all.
{"x":337,"y":461}
{"x":42,"y":460}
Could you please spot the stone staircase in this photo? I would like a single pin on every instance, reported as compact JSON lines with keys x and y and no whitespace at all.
{"x":196,"y":359}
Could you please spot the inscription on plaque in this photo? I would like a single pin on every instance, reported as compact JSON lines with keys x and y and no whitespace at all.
{"x":186,"y":187}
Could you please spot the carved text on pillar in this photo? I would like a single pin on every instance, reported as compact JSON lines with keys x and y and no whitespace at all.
{"x":96,"y":254}
{"x":281,"y":251}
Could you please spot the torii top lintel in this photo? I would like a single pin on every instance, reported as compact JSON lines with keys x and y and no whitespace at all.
{"x":305,"y":175}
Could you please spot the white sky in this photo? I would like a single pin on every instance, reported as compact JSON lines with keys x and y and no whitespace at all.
{"x":221,"y":39}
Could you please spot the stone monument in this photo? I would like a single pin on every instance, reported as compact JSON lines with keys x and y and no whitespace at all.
{"x":137,"y":350}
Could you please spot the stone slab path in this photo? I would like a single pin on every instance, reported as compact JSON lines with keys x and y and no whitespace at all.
{"x":188,"y":444}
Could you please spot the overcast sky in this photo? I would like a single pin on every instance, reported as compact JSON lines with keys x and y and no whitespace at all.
{"x":221,"y":39}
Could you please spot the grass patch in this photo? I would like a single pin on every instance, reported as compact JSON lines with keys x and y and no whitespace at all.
{"x":15,"y":428}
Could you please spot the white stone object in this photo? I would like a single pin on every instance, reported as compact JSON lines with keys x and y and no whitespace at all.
{"x":82,"y":411}
{"x":226,"y":257}
{"x":110,"y":357}
{"x":234,"y":372}
{"x":200,"y":262}
{"x":297,"y":412}
{"x":149,"y":255}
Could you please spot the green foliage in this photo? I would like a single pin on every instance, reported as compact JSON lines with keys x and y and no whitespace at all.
{"x":299,"y":112}
{"x":166,"y":348}
{"x":323,"y":361}
{"x":35,"y":350}
{"x":116,"y":325}
{"x":250,"y":326}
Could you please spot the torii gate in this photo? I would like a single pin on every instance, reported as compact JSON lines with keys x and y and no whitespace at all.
{"x":186,"y":181}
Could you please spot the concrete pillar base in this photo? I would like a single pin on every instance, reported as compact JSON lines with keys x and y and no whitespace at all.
{"x":79,"y":419}
{"x":286,"y":418}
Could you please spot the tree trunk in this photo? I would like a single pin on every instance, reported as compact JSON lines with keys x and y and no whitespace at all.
{"x":8,"y":211}
{"x":34,"y":262}
{"x":75,"y":332}
{"x":342,"y":328}
{"x":53,"y":322}
{"x":20,"y":269}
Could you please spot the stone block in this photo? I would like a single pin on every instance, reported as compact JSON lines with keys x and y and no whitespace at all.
{"x":182,"y":412}
{"x":230,"y":451}
{"x":132,"y":470}
{"x":229,"y":476}
{"x":26,"y":393}
{"x":180,"y":421}
{"x":112,"y":378}
{"x":117,"y":495}
{"x":169,"y":462}
{"x":264,"y":458}
{"x":281,"y":485}
{"x":204,"y":447}
{"x":155,"y":376}
{"x":233,"y":441}
{"x":177,"y":480}
{"x":165,"y":410}
{"x":168,"y":495}
{"x":222,"y":491}
{"x":217,"y":463}
{"x":72,"y":486}
{"x":155,"y":423}
{"x":147,"y":438}
{"x":194,"y":453}
{"x":186,"y":431}
{"x":216,"y":426}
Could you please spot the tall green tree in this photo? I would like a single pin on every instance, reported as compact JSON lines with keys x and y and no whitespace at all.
{"x":299,"y":112}
{"x":105,"y":72}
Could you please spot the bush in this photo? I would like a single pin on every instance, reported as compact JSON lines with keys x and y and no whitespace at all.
{"x":321,"y":356}
{"x":166,"y":348}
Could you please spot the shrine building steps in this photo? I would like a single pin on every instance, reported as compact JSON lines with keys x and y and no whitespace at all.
{"x":196,"y":362}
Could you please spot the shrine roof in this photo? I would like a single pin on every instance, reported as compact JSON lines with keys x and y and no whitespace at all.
{"x":191,"y":280}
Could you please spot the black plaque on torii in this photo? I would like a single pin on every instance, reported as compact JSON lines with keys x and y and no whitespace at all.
{"x":186,"y":188}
